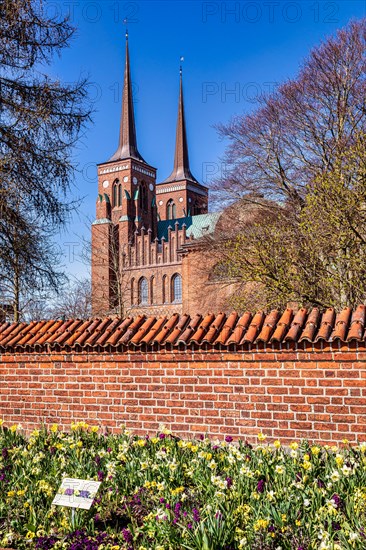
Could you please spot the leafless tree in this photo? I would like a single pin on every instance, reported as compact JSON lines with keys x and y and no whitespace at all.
{"x":300,"y":160}
{"x":74,"y":302}
{"x":298,"y":132}
{"x":41,"y":120}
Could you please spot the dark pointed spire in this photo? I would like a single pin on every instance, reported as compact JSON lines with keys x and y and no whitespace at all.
{"x":181,"y":170}
{"x":127,"y":146}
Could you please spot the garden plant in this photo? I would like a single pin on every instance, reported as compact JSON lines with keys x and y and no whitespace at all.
{"x":164,"y":492}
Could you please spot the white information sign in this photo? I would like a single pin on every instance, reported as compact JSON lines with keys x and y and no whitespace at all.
{"x":76,"y":493}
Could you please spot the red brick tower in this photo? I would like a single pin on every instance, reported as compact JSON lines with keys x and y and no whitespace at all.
{"x":126,"y":204}
{"x":180,"y":195}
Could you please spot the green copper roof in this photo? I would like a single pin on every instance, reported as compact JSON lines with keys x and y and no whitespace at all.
{"x":195,"y":225}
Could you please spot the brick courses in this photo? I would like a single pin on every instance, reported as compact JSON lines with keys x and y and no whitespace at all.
{"x":289,"y":391}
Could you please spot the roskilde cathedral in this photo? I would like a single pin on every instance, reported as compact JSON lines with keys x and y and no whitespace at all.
{"x":146,"y":253}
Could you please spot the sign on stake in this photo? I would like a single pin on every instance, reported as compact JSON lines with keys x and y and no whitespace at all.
{"x":76,"y":493}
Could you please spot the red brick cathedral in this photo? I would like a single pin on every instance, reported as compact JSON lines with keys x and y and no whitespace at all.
{"x":146,"y":256}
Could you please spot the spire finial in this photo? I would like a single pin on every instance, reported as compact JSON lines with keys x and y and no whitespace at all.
{"x":125,"y":22}
{"x":180,"y":67}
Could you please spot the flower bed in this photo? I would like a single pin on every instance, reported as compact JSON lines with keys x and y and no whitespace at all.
{"x":165,"y":493}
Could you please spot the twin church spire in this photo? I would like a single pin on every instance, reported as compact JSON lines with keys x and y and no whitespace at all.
{"x":181,"y":169}
{"x":127,"y":145}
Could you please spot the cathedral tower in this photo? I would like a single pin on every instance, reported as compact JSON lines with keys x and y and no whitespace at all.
{"x":126,"y":203}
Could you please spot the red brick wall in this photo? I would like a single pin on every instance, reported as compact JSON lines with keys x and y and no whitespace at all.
{"x":315,"y":394}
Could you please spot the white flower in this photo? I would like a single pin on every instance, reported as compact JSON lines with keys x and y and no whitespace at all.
{"x":332,"y":503}
{"x":245,"y":471}
{"x":346,"y":471}
{"x":335,"y":476}
{"x":306,"y":502}
{"x":220,"y":483}
{"x":160,"y":513}
{"x":160,"y":455}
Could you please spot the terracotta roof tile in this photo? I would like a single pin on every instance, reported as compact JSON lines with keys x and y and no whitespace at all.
{"x":219,"y":330}
{"x":191,"y":328}
{"x":341,"y":324}
{"x":3,"y":327}
{"x":85,"y":331}
{"x":357,"y":324}
{"x":282,"y":326}
{"x":227,"y":328}
{"x":24,"y":335}
{"x":79,"y":334}
{"x":214,"y":329}
{"x":143,"y":330}
{"x":39,"y":338}
{"x":296,"y":326}
{"x":326,"y":325}
{"x":154,"y":331}
{"x":63,"y":331}
{"x":254,"y":328}
{"x":197,"y":337}
{"x":269,"y":325}
{"x":176,"y":332}
{"x":11,"y":332}
{"x":167,"y":329}
{"x":240,"y":329}
{"x":99,"y":330}
{"x":311,"y":326}
{"x":124,"y":334}
{"x":105,"y":336}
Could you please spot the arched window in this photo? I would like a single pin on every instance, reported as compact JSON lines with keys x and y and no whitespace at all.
{"x":132,"y":292}
{"x":176,"y":288}
{"x":143,"y":291}
{"x":152,"y":282}
{"x":116,"y":194}
{"x":171,"y":211}
{"x":164,"y":289}
{"x":143,"y":197}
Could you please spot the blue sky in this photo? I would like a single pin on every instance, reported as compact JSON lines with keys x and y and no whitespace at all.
{"x":232,"y":52}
